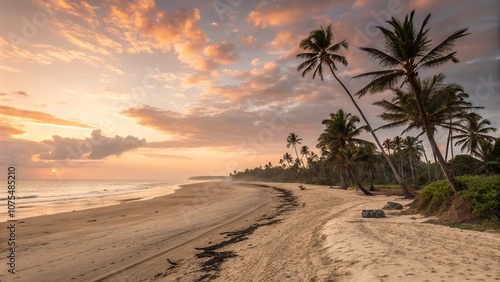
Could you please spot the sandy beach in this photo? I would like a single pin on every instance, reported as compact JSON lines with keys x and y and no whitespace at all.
{"x":267,"y":234}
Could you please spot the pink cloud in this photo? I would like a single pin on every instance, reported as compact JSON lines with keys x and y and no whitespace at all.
{"x":283,"y":13}
{"x":222,"y":53}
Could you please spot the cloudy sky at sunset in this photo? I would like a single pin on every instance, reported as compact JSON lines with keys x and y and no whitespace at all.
{"x":144,"y":89}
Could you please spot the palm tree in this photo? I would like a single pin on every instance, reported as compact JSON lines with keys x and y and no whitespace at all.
{"x":412,"y":150}
{"x":489,"y":154}
{"x":369,"y":159}
{"x":304,"y":152}
{"x":442,"y":106}
{"x":347,"y":158}
{"x":408,"y":50}
{"x":292,"y":140}
{"x":288,"y":158}
{"x":388,"y":145}
{"x":475,"y":130}
{"x":320,"y":51}
{"x":456,"y":100}
{"x":341,"y":132}
{"x":398,"y":148}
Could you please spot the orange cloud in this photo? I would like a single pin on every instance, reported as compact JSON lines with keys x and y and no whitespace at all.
{"x":223,"y":53}
{"x":38,"y":117}
{"x":279,"y":14}
{"x":146,"y":27}
{"x":7,"y":130}
{"x":230,"y":127}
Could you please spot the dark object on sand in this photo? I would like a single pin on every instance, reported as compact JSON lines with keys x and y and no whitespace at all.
{"x":172,"y":263}
{"x":302,"y":187}
{"x":393,"y":206}
{"x":372,"y":213}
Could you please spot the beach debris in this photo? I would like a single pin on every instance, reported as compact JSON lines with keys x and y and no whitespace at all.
{"x":172,"y":263}
{"x":302,"y":187}
{"x":393,"y":206}
{"x":372,"y":213}
{"x":216,"y":258}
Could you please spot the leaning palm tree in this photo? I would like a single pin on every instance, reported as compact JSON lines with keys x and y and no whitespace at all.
{"x":475,"y":130}
{"x":347,"y":158}
{"x":321,"y":51}
{"x":292,"y":140}
{"x":407,"y":51}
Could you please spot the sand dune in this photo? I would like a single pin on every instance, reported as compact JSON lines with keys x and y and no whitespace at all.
{"x":320,"y":236}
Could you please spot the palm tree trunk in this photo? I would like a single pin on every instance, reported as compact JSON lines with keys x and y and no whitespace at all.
{"x":358,"y":184}
{"x":295,"y":148}
{"x":407,"y":192}
{"x":428,"y":166}
{"x":401,"y":165}
{"x":448,"y":143}
{"x":430,"y":136}
{"x":412,"y":170}
{"x":370,"y":175}
{"x":343,"y":183}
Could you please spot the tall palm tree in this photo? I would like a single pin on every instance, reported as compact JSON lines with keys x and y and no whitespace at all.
{"x":292,"y":140}
{"x":321,"y":51}
{"x":475,"y":130}
{"x":407,"y":50}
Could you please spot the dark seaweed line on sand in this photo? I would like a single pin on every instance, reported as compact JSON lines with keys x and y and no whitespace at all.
{"x":212,"y":266}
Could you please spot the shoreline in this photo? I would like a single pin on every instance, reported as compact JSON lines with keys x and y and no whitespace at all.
{"x":91,"y":200}
{"x":108,"y":241}
{"x":319,"y":237}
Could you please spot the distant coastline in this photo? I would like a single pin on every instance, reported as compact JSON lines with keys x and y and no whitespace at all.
{"x":206,"y":177}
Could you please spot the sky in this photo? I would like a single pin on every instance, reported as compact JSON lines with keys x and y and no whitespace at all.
{"x":164,"y":90}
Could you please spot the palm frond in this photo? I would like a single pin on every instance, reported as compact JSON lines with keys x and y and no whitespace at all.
{"x":382,"y":58}
{"x":442,"y":49}
{"x":380,"y":84}
{"x":336,"y":47}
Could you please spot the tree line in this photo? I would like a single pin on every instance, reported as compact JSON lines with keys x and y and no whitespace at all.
{"x":425,"y":104}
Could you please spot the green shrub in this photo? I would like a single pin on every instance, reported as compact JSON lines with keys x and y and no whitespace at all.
{"x":482,"y":192}
{"x":437,"y":196}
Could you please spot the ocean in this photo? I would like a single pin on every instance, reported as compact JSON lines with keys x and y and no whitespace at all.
{"x":43,"y":197}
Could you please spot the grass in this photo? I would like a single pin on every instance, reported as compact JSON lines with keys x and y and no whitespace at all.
{"x":387,"y":186}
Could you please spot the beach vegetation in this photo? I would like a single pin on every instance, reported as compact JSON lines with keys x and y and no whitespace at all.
{"x":479,"y":201}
